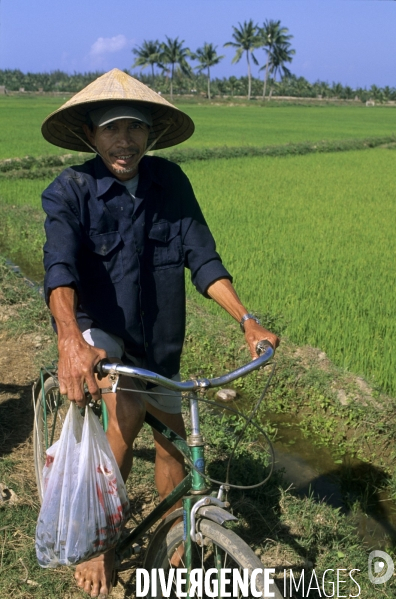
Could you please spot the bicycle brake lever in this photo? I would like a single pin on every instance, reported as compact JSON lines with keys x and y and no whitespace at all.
{"x":114,"y":378}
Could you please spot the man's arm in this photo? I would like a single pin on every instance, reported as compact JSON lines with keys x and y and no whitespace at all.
{"x":225,"y":295}
{"x":76,"y":357}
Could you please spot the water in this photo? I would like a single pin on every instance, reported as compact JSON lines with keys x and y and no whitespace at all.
{"x":353,"y":486}
{"x":20,"y":263}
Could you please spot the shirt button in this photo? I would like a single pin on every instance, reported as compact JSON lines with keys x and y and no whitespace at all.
{"x":142,"y":313}
{"x":146,"y":344}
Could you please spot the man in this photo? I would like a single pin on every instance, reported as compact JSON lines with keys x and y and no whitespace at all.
{"x":120,"y":229}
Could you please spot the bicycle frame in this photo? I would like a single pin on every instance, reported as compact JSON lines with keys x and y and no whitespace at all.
{"x":192,"y":490}
{"x":194,"y":483}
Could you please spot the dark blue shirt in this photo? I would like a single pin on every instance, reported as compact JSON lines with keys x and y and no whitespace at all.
{"x":126,"y":257}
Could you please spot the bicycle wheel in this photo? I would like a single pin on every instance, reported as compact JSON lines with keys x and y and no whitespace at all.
{"x":47,"y":424}
{"x":221,"y":548}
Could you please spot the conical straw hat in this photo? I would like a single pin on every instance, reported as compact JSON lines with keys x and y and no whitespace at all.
{"x":116,"y":87}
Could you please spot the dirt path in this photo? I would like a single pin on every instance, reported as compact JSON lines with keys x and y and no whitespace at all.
{"x":16,"y":414}
{"x":16,"y":424}
{"x":19,"y":356}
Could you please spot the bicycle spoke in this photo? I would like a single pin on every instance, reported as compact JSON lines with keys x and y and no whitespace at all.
{"x":221,"y":548}
{"x":50,"y":414}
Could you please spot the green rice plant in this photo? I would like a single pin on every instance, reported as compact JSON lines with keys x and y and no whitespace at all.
{"x":22,"y":238}
{"x":23,"y":192}
{"x":188,"y":154}
{"x":257,"y":125}
{"x":21,"y":118}
{"x":215,"y":126}
{"x":312,"y":238}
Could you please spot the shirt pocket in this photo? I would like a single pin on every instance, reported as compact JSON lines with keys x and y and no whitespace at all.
{"x":165,"y":244}
{"x":104,"y":261}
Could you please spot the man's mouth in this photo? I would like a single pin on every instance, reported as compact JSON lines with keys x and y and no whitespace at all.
{"x":125,"y":157}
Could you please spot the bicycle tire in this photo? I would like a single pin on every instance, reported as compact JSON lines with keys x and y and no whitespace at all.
{"x":235,"y":553}
{"x":52,"y":421}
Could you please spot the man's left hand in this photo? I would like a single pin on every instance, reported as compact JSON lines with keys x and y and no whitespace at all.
{"x":255,"y":333}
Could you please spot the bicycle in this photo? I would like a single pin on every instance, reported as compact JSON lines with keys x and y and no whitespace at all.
{"x":200,"y":541}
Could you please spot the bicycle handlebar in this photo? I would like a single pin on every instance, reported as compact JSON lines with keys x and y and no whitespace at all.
{"x":263,"y":347}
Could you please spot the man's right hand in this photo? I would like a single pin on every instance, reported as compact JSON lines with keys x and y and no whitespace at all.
{"x":77,"y":360}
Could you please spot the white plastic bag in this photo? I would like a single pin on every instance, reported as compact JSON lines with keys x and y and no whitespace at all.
{"x":85,"y":503}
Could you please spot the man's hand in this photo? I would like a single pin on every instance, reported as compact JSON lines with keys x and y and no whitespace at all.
{"x":77,"y":360}
{"x":255,"y":333}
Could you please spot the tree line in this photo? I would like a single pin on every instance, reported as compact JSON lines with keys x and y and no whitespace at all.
{"x":172,"y":70}
{"x":246,"y":39}
{"x":293,"y":86}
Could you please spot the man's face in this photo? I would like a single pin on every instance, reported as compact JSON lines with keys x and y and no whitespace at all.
{"x":121,"y":144}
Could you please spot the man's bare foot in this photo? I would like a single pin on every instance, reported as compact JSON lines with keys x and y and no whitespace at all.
{"x":95,"y":576}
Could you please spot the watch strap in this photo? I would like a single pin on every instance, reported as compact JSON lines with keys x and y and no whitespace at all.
{"x":246,"y":317}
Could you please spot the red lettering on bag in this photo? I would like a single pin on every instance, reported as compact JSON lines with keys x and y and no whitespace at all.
{"x":100,"y":496}
{"x":113,"y":519}
{"x":103,"y":470}
{"x":49,"y":459}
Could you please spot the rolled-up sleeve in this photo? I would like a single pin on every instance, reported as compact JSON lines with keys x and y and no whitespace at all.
{"x":63,"y":234}
{"x":199,"y":245}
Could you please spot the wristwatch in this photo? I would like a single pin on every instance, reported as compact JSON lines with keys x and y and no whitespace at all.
{"x":246,"y":317}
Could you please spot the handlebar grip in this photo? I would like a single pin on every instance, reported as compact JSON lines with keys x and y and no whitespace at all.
{"x":262,"y":346}
{"x":98,"y":367}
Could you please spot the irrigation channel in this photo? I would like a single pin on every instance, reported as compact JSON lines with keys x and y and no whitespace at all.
{"x":311,"y":470}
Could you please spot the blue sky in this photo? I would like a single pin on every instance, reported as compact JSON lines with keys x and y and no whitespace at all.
{"x":347,"y":41}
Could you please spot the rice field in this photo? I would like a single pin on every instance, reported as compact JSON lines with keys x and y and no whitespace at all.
{"x":22,"y":192}
{"x":20,"y":130}
{"x":312,"y":238}
{"x":225,"y":125}
{"x":256,"y":125}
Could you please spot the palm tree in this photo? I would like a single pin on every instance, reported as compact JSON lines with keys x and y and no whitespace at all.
{"x":272,"y":35}
{"x":173,"y":53}
{"x":337,"y":89}
{"x":281,"y":54}
{"x":207,"y":57}
{"x":322,"y":88}
{"x":246,"y":40}
{"x":234,"y":83}
{"x":148,"y":55}
{"x":376,"y":93}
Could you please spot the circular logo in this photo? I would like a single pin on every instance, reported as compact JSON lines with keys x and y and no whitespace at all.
{"x":380,"y":570}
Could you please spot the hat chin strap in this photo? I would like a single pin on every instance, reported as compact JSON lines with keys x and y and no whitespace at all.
{"x":95,"y":151}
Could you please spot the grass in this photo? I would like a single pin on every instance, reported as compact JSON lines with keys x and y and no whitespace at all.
{"x":228,"y":125}
{"x":23,"y":192}
{"x":262,"y":126}
{"x":21,"y":119}
{"x":324,"y":250}
{"x":322,"y":254}
{"x":285,"y":530}
{"x":22,"y":238}
{"x":310,"y":244}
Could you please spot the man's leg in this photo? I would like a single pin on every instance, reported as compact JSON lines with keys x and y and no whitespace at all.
{"x":169,"y":463}
{"x":126,"y":413}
